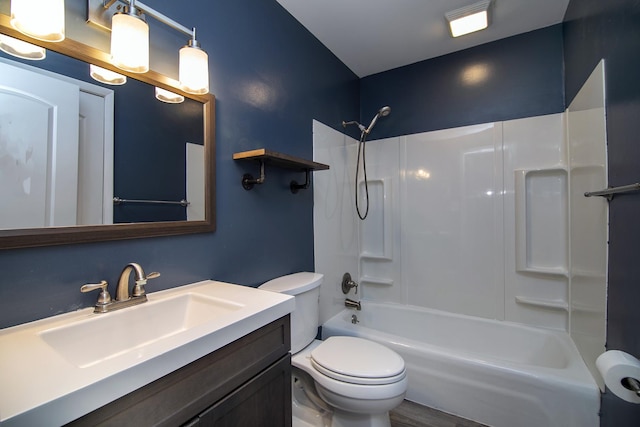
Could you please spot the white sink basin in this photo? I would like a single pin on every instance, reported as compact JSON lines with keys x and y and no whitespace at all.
{"x":62,"y":367}
{"x":133,"y":329}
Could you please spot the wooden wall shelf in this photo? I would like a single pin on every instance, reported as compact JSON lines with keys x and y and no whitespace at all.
{"x":264,"y":156}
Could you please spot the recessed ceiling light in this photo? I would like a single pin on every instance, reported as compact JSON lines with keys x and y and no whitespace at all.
{"x":469,"y":19}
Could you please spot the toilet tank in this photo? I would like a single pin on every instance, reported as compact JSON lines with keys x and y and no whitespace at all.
{"x":305,"y":287}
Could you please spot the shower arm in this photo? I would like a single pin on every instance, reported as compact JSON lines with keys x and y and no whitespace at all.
{"x":384,"y":111}
{"x":353,"y":122}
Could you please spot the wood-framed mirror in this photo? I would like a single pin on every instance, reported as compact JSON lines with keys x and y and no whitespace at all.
{"x":123,"y":227}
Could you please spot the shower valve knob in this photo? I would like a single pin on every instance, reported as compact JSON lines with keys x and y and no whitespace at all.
{"x":347,"y":284}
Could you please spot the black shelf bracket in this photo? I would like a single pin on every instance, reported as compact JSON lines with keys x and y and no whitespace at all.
{"x":248,"y":181}
{"x":295,"y":187}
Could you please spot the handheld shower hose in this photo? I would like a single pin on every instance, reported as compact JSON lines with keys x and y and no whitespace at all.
{"x":383,"y":112}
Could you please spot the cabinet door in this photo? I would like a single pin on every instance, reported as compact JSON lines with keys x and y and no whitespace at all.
{"x":265,"y":401}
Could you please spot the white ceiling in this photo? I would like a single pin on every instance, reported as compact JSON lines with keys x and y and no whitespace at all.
{"x":371,"y":36}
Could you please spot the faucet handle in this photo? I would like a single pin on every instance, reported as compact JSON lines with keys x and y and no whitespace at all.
{"x":138,"y":288}
{"x":347,"y":284}
{"x":104,"y":298}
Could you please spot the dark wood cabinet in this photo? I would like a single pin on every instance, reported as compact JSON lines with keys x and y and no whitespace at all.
{"x":260,"y":402}
{"x":245,"y":383}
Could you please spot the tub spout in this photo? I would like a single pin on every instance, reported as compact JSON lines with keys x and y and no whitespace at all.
{"x":352,"y":304}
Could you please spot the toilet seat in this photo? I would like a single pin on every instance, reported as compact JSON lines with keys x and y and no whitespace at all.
{"x":357,"y":361}
{"x":302,"y":360}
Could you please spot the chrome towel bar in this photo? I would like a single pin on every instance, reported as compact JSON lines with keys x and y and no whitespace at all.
{"x":609,"y":192}
{"x":118,"y":201}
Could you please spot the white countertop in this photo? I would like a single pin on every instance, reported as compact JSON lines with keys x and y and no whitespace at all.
{"x":41,"y":387}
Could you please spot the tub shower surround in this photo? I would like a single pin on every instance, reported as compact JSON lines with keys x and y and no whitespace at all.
{"x":493,"y":372}
{"x":487,"y":221}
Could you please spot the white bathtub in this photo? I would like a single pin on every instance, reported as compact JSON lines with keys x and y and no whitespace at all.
{"x":497,"y":373}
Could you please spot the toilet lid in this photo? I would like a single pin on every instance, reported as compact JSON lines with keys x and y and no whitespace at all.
{"x":357,"y":361}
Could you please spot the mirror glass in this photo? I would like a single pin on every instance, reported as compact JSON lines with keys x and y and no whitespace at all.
{"x":86,"y":161}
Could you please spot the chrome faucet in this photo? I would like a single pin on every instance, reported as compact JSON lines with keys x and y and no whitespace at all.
{"x":352,"y":304}
{"x":123,"y":298}
{"x":122,"y":291}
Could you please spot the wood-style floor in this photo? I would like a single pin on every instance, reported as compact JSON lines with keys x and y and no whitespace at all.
{"x":410,"y":414}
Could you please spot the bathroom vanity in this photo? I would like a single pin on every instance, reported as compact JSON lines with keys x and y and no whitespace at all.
{"x":245,"y":383}
{"x":209,"y":352}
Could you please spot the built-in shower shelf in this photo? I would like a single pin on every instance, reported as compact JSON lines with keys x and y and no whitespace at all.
{"x":551,"y":304}
{"x":376,"y":281}
{"x":545,"y":271}
{"x":264,"y":156}
{"x":374,"y":257}
{"x":542,"y":220}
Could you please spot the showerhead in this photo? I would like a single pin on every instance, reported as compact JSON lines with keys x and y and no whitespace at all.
{"x":383,"y":112}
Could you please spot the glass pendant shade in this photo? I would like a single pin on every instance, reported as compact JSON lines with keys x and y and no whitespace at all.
{"x":106,"y":76}
{"x":168,"y":97}
{"x":129,"y":43}
{"x":40,"y":19}
{"x":21,"y":49}
{"x":194,"y":70}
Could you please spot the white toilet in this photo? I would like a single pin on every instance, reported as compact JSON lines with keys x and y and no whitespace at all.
{"x":356,"y":382}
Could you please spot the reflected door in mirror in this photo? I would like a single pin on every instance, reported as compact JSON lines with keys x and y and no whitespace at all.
{"x":50,"y":151}
{"x":38,"y":150}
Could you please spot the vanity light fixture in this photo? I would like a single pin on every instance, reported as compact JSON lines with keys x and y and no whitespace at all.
{"x":194,"y":61}
{"x":469,"y":19}
{"x":194,"y":68}
{"x":40,"y":19}
{"x":130,"y":40}
{"x":168,"y":97}
{"x":21,"y":49}
{"x":106,"y":76}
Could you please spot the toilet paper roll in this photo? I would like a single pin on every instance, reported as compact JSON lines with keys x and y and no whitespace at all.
{"x":615,"y":366}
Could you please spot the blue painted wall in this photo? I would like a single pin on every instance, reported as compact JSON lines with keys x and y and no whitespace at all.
{"x":517,"y":77}
{"x":150,"y":165}
{"x":270,"y":78}
{"x":593,"y":30}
